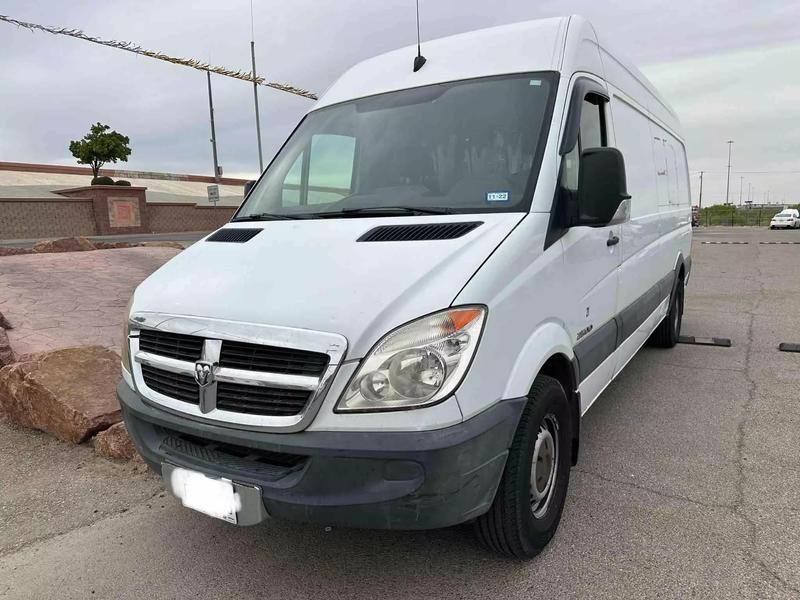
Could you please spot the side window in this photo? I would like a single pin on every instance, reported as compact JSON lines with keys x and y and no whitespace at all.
{"x":593,"y":123}
{"x":330,"y":169}
{"x":592,"y":135}
{"x":569,"y":169}
{"x":672,"y":167}
{"x":662,"y":170}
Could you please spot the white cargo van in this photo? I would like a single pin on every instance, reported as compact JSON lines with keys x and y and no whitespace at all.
{"x":436,"y":276}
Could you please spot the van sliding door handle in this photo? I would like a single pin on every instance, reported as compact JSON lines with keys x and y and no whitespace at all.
{"x":612,"y":240}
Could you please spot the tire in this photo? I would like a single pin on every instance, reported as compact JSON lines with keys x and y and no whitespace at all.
{"x":514,"y":526}
{"x":669,"y":330}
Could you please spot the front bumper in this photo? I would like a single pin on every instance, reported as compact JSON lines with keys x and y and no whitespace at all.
{"x":381,"y":480}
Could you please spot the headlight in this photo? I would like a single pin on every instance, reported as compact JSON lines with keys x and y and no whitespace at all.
{"x":416,"y":365}
{"x":126,"y":344}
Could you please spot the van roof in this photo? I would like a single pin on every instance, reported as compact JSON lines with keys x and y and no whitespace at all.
{"x":563,"y":44}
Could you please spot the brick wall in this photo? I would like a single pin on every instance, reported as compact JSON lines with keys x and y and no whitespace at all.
{"x":171,"y":217}
{"x":45,"y":217}
{"x":37,"y":218}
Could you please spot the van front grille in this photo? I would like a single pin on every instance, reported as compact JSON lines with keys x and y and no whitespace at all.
{"x":253,"y":375}
{"x":233,"y":397}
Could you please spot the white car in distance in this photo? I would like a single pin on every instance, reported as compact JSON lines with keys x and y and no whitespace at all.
{"x":788,"y":217}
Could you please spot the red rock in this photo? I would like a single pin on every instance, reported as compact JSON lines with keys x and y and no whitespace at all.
{"x":69,"y":393}
{"x":4,"y":324}
{"x":114,"y":442}
{"x":175,"y":245}
{"x":71,"y":244}
{"x":7,"y":355}
{"x":112,"y":245}
{"x":14,"y":251}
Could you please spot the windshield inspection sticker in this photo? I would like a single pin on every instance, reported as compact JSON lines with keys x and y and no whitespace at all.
{"x":498,"y":196}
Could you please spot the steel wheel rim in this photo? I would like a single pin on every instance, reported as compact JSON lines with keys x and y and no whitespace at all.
{"x":544,"y":465}
{"x":677,"y":310}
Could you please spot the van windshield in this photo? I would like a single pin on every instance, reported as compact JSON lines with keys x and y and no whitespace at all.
{"x":462,"y":147}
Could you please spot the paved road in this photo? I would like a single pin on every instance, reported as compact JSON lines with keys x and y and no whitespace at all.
{"x":688,"y":486}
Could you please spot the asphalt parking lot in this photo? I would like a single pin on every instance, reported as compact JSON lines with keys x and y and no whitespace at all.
{"x":688,"y":486}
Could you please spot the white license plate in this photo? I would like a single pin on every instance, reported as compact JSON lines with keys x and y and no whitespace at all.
{"x":213,"y":497}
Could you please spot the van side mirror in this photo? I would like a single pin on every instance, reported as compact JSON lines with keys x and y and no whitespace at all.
{"x":602,"y":191}
{"x":248,"y":186}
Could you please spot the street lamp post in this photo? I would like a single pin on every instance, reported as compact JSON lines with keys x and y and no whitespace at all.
{"x":213,"y":130}
{"x":700,"y":202}
{"x":741,"y":185}
{"x":728,"y":182}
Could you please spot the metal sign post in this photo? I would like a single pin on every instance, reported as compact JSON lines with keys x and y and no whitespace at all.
{"x":213,"y":194}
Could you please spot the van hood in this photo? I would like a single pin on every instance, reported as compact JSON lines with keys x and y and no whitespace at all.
{"x":314,"y":274}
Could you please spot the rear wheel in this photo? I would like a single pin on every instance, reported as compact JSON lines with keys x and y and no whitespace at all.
{"x":669,"y":330}
{"x":530,"y":498}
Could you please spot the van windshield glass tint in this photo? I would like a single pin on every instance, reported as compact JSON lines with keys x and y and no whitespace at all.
{"x":468,"y":146}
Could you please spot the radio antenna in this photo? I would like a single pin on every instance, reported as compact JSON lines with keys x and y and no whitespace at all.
{"x":419,"y":60}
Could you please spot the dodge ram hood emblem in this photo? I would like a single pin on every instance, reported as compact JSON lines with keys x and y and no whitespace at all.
{"x":203,"y":373}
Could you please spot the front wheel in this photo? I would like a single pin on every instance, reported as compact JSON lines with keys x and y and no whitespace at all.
{"x":530,"y":498}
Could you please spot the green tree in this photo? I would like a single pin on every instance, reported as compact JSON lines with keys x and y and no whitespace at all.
{"x":100,"y":146}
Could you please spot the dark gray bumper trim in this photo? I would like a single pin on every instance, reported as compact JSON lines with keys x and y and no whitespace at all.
{"x":394,"y":480}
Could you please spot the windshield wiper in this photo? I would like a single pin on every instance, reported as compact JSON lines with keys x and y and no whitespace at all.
{"x":265,"y":217}
{"x":394,"y":210}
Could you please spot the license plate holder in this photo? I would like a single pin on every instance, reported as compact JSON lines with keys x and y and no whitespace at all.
{"x":217,"y":497}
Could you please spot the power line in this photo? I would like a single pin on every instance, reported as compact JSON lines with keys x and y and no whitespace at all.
{"x":186,"y":62}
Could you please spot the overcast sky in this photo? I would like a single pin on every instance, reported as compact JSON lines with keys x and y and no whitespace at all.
{"x":730,"y":69}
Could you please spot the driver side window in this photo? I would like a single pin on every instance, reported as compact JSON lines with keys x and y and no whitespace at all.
{"x":592,"y":135}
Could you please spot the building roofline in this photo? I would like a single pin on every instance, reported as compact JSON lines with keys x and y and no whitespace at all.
{"x":70,"y":170}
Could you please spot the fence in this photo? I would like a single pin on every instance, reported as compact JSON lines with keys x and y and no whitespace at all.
{"x":733,"y":216}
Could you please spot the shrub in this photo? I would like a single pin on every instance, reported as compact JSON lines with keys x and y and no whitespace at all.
{"x":102,"y":181}
{"x":122,"y":182}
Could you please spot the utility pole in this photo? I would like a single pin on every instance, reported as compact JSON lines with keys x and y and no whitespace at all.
{"x":748,"y":191}
{"x":255,"y":99}
{"x":213,"y":132}
{"x":255,"y":89}
{"x":741,"y":184}
{"x":700,"y":202}
{"x":728,"y":182}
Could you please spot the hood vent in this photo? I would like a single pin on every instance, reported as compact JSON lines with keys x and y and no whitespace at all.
{"x":236,"y":235}
{"x":417,"y":233}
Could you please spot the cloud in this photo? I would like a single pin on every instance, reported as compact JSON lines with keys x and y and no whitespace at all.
{"x":751,"y":96}
{"x":54,"y":87}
